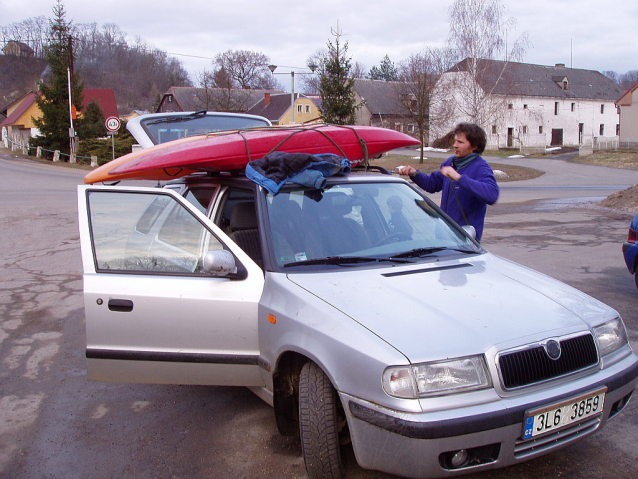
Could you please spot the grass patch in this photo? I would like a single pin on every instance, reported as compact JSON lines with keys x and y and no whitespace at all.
{"x":514,"y":173}
{"x":623,"y":159}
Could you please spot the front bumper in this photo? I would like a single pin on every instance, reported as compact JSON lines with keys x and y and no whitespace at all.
{"x":420,"y":445}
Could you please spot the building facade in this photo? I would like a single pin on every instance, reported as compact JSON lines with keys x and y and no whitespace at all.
{"x":531,"y":106}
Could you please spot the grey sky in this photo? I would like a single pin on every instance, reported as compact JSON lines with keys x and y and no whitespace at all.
{"x":587,"y":34}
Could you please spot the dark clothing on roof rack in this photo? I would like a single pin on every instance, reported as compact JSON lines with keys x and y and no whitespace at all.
{"x":275,"y":169}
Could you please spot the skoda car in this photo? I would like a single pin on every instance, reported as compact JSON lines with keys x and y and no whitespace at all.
{"x":413,"y":345}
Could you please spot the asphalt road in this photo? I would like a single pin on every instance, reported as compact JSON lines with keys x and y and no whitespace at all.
{"x":55,"y":424}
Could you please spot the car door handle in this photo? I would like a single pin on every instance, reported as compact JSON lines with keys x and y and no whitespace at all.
{"x":121,"y":305}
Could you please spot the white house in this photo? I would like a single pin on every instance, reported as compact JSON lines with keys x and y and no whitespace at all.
{"x":529,"y":106}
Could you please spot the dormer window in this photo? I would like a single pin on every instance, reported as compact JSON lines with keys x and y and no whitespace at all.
{"x":562,"y":82}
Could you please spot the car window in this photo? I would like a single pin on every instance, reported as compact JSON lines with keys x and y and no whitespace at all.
{"x":145,"y":232}
{"x":200,"y":197}
{"x":169,"y":128}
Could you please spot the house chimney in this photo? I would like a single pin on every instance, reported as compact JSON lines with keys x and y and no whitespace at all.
{"x":560,"y":65}
{"x":266,"y":99}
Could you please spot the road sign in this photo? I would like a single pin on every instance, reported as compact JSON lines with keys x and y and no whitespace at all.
{"x":112,"y":123}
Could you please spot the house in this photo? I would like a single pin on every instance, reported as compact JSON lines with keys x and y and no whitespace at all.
{"x":134,"y":114}
{"x":523,"y":105}
{"x":277,"y":108}
{"x":18,"y":124}
{"x":210,"y":99}
{"x":18,"y":49}
{"x":628,"y":104}
{"x":379,"y":103}
{"x":104,"y":97}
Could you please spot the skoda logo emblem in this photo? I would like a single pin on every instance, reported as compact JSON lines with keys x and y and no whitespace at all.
{"x":552,"y":348}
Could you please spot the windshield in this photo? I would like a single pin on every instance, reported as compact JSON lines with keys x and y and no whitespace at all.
{"x":359,"y":223}
{"x":161,"y":129}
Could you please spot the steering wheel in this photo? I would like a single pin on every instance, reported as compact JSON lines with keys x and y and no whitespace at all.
{"x":394,"y":237}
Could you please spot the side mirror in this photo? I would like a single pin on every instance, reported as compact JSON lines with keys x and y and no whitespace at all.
{"x":470,"y":230}
{"x":219,"y":263}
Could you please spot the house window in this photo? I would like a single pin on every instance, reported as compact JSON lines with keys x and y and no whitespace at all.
{"x":524,"y":129}
{"x":602,"y":129}
{"x":602,"y":108}
{"x":169,"y":98}
{"x":510,"y":106}
{"x":493,"y":129}
{"x":573,"y":106}
{"x":299,"y":108}
{"x":525,"y":107}
{"x":617,"y":130}
{"x":556,"y":108}
{"x":411,"y":128}
{"x":307,"y":108}
{"x":540,"y":130}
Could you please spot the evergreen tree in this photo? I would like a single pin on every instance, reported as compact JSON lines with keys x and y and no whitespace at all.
{"x":385,"y":71}
{"x":336,"y":86}
{"x":54,"y":92}
{"x":92,"y":124}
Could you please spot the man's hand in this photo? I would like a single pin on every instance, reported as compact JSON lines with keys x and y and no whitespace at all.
{"x":450,"y":173}
{"x":407,"y":171}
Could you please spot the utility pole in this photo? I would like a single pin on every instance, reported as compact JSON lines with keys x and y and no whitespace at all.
{"x":73,"y":139}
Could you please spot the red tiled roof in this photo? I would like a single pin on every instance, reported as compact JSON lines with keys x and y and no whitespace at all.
{"x":104,"y":97}
{"x":29,"y":99}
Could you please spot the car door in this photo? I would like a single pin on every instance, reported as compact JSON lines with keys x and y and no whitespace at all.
{"x":152,"y":313}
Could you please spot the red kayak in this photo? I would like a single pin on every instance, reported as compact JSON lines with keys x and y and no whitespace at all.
{"x":231,"y":151}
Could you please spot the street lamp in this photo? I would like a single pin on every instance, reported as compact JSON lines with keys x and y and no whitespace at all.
{"x":312,"y":68}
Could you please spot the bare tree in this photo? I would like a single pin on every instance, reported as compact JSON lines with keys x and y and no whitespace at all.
{"x":417,"y":79}
{"x":479,"y":32}
{"x":32,"y":31}
{"x":216,"y":92}
{"x":310,"y":83}
{"x":248,"y":69}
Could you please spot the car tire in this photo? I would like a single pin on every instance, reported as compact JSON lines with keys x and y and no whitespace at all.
{"x":320,"y":424}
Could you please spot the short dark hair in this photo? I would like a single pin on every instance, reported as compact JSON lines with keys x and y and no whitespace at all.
{"x":474,"y":134}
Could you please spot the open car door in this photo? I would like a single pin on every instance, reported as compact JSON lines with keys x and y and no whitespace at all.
{"x":153,"y":313}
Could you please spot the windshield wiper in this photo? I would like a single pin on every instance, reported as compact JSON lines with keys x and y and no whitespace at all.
{"x":421,"y":252}
{"x":177,"y":118}
{"x":340,"y":260}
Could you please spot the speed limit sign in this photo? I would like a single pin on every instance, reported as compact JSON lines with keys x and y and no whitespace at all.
{"x":112,"y":123}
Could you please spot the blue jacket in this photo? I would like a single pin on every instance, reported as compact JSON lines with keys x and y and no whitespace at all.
{"x":476,"y":189}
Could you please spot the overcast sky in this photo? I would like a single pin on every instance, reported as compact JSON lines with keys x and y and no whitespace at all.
{"x":589,"y":34}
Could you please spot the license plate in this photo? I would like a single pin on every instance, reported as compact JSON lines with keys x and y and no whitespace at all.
{"x":559,"y":415}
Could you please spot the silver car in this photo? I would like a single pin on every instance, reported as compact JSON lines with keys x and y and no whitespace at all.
{"x":359,"y":311}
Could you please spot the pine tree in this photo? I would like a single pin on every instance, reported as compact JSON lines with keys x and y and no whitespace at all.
{"x":54,"y":92}
{"x":385,"y":71}
{"x":336,"y":86}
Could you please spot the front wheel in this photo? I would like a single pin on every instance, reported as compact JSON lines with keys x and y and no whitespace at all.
{"x":320,"y":424}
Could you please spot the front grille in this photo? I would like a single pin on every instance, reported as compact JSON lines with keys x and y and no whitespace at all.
{"x":533,"y":365}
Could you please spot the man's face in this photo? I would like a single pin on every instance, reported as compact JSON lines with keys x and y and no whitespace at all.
{"x":462,"y":147}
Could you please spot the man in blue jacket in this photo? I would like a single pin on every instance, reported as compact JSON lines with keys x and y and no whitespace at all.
{"x":466,"y":180}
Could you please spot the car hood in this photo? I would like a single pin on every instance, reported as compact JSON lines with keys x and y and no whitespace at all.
{"x":430,"y":311}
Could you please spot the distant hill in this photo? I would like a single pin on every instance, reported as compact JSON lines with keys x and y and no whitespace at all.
{"x":138,"y":77}
{"x":18,"y":75}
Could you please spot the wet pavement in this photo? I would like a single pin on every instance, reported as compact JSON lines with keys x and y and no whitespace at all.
{"x":55,"y":424}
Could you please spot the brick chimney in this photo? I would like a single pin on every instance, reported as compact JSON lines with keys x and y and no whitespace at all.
{"x":266,"y":99}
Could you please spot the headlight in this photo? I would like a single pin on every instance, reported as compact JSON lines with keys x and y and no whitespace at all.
{"x":611,"y":336}
{"x":437,"y":378}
